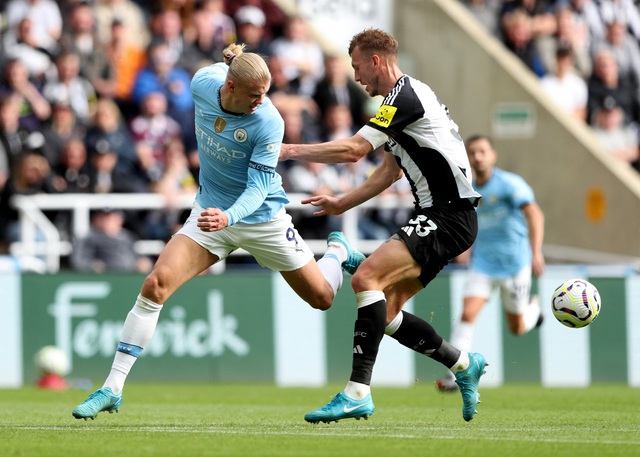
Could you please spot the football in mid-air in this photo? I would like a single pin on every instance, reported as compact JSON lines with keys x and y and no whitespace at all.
{"x":576,"y":303}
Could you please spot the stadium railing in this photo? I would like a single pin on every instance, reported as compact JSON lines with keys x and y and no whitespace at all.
{"x":39,"y":236}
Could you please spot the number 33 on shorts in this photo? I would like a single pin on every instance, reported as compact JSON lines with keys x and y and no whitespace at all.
{"x":421,"y":224}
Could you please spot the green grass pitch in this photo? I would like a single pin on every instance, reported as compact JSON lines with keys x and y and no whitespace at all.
{"x":257,"y":420}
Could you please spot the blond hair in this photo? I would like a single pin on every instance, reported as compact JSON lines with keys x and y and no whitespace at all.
{"x":245,"y":67}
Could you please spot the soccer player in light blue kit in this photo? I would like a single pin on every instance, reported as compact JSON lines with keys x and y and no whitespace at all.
{"x":240,"y":204}
{"x":507,"y":250}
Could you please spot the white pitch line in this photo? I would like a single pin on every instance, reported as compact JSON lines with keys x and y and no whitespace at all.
{"x":350,"y":434}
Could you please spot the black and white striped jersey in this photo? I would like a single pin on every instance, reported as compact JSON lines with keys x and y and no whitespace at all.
{"x":419,"y":132}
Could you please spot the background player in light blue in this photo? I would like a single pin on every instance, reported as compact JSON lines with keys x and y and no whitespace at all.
{"x":507,"y":250}
{"x":240,"y":204}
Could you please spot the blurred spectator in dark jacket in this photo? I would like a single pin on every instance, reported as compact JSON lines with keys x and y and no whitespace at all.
{"x":108,"y":246}
{"x":519,"y":39}
{"x":337,"y":87}
{"x":108,"y":127}
{"x":61,"y":128}
{"x":73,"y":173}
{"x":605,"y":82}
{"x":30,"y":175}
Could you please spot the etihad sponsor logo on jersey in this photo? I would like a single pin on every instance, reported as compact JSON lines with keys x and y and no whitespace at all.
{"x":384,"y":116}
{"x":219,"y":125}
{"x":216,"y":149}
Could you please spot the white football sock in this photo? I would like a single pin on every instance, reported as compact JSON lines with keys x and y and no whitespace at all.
{"x":357,"y":390}
{"x":462,"y":363}
{"x":331,"y":266}
{"x":136,"y":333}
{"x":531,"y":315}
{"x":462,"y":335}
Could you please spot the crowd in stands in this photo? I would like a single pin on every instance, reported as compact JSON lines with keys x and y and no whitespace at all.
{"x":95,"y":97}
{"x":587,"y":56}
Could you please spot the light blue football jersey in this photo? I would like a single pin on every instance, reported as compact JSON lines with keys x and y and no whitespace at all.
{"x":502,"y":246}
{"x":238,"y":153}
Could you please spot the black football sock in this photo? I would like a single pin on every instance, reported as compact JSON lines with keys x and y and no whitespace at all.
{"x":420,"y":336}
{"x":367,"y":334}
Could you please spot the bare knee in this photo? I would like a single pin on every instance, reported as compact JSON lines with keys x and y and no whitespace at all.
{"x":320,"y":305}
{"x":155,"y":287}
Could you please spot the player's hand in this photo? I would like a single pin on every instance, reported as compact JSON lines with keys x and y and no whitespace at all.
{"x":538,"y":264}
{"x":330,"y":205}
{"x":212,"y":220}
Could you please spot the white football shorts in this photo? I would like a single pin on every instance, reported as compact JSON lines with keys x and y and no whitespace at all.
{"x":514,"y":290}
{"x":275,"y":244}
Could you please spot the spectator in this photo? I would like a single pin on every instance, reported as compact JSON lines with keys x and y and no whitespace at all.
{"x":518,"y":38}
{"x":153,"y":125}
{"x":174,"y":181}
{"x":539,"y":12}
{"x":624,"y":10}
{"x":21,"y":44}
{"x":274,"y":16}
{"x":301,"y":57}
{"x":569,"y":33}
{"x":201,"y":49}
{"x":161,"y":75}
{"x":106,"y":177}
{"x":61,"y":128}
{"x":12,"y":136}
{"x":624,"y":48}
{"x":30,"y":175}
{"x":108,"y":246}
{"x":337,"y":87}
{"x":72,"y":174}
{"x":605,"y":82}
{"x":127,"y":60}
{"x":338,"y":123}
{"x":129,"y":13}
{"x":565,"y":87}
{"x":71,"y":88}
{"x":315,"y":179}
{"x":620,"y":140}
{"x":487,"y":13}
{"x":166,"y":28}
{"x":108,"y":128}
{"x":80,"y":37}
{"x":46,"y":21}
{"x":224,"y":29}
{"x":250,"y":27}
{"x":586,"y":15}
{"x":33,"y":108}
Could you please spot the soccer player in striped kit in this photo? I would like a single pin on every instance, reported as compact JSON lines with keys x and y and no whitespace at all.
{"x":422,"y":142}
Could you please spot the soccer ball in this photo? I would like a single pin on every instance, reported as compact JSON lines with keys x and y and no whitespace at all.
{"x":52,"y":360}
{"x":576,"y":303}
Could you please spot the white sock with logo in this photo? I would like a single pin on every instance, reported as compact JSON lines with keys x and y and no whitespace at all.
{"x":136,"y":333}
